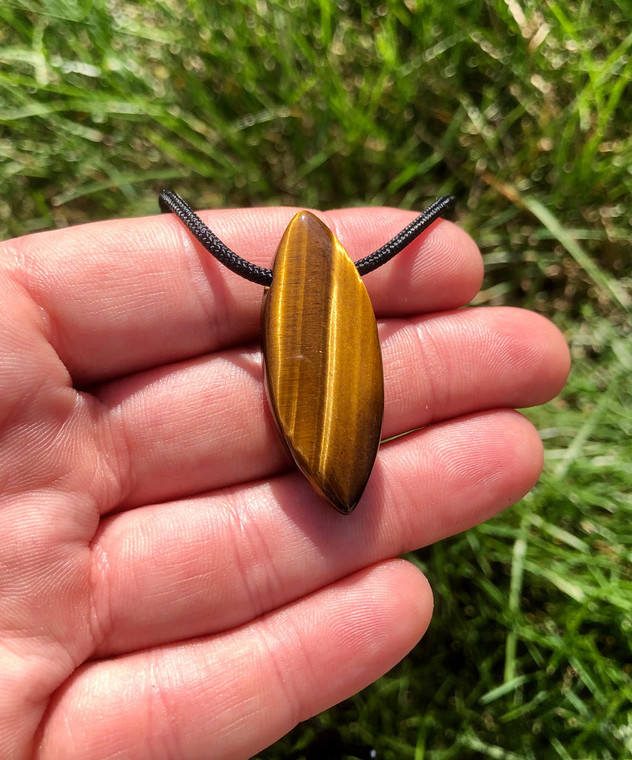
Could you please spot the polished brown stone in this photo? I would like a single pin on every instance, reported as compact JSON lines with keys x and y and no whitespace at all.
{"x":323,"y":366}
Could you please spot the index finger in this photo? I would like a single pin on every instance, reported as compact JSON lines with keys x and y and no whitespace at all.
{"x":132,"y":294}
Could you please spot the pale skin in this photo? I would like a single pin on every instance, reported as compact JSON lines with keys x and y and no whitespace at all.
{"x":170,"y":586}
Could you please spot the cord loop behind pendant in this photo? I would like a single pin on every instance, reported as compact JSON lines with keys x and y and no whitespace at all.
{"x":172,"y":202}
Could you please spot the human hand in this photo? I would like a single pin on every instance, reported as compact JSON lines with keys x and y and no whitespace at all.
{"x":171,"y":586}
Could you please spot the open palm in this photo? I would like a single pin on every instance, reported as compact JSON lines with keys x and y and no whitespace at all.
{"x":171,"y":586}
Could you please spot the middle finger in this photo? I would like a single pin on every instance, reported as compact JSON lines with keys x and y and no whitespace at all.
{"x":204,"y":424}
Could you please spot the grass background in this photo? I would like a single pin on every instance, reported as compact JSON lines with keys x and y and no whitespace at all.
{"x":522,"y":108}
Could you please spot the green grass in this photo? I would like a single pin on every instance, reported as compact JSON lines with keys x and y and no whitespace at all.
{"x":521,"y":108}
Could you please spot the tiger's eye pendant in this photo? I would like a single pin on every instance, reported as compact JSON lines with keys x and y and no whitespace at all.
{"x":323,"y":366}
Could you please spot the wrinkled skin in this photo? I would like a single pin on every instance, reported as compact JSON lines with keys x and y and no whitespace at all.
{"x":170,"y":586}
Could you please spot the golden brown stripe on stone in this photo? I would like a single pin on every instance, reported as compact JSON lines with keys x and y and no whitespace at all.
{"x":323,"y":366}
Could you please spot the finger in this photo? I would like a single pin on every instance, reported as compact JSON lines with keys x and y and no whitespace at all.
{"x":206,"y":424}
{"x":132,"y":294}
{"x":230,"y":696}
{"x":211,"y":563}
{"x":40,"y":413}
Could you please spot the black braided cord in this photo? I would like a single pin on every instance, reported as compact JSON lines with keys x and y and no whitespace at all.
{"x":172,"y":202}
{"x":406,"y":236}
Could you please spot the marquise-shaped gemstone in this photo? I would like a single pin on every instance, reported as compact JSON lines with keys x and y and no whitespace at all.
{"x":323,"y":366}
